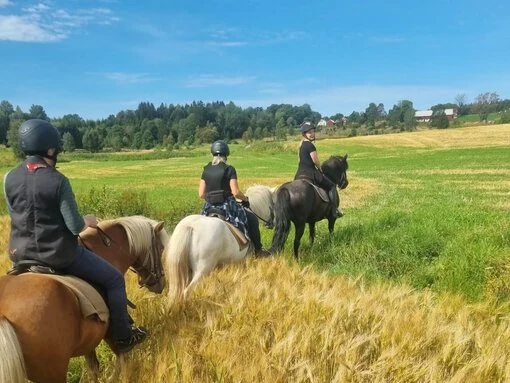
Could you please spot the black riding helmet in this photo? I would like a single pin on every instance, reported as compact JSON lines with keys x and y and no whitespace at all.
{"x":220,"y":148}
{"x":37,"y":136}
{"x":306,"y":126}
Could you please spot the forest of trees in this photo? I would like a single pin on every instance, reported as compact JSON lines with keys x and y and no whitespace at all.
{"x":170,"y":126}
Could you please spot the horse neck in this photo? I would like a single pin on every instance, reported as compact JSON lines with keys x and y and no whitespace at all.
{"x":114,"y":248}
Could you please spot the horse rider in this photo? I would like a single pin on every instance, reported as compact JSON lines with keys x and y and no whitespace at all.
{"x":310,"y":167}
{"x":219,"y":187}
{"x":45,"y":223}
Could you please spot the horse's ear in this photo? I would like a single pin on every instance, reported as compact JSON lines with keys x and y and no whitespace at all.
{"x":159,"y":226}
{"x":345,"y":157}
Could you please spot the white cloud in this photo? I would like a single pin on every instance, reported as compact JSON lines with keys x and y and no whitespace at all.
{"x":18,"y":28}
{"x":39,"y":23}
{"x":207,"y":80}
{"x":129,"y":78}
{"x":3,"y":3}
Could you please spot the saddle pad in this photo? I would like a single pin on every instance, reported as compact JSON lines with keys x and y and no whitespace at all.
{"x":238,"y":235}
{"x":321,"y":192}
{"x":91,"y":302}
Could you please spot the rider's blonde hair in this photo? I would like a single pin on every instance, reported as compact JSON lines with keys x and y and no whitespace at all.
{"x":217,"y":159}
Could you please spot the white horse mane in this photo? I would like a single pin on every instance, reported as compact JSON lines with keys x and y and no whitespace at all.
{"x":261,"y":200}
{"x":139,"y":237}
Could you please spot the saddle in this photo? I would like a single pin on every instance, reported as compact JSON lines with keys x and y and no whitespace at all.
{"x":321,"y":192}
{"x":91,"y":301}
{"x":238,"y":235}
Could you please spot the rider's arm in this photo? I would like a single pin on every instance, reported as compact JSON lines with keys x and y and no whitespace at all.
{"x":201,"y":189}
{"x":234,"y":186}
{"x":69,"y":209}
{"x":315,"y":159}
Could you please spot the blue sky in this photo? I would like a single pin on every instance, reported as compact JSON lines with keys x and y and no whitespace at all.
{"x":97,"y":57}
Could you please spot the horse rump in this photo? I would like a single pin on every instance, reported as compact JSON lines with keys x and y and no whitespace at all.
{"x":282,"y":219}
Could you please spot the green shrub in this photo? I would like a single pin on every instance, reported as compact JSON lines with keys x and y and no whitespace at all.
{"x":107,"y":203}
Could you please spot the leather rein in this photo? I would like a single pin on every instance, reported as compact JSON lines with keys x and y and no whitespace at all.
{"x":149,"y":263}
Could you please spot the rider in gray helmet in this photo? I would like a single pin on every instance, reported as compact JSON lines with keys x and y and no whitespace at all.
{"x":219,"y":187}
{"x":310,"y":167}
{"x":45,"y":223}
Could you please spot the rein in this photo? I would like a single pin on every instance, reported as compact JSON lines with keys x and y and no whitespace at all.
{"x":105,"y":238}
{"x":149,"y":264}
{"x":267,"y":223}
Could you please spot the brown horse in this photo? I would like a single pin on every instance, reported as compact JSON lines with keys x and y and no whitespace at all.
{"x":41,"y":325}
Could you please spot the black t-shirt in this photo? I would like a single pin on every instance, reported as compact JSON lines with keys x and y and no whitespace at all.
{"x":306,"y":166}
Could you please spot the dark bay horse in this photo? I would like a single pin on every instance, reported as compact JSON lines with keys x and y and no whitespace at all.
{"x":297,"y":201}
{"x":41,"y":324}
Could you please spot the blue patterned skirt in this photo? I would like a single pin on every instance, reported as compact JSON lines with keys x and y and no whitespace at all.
{"x":234,"y":213}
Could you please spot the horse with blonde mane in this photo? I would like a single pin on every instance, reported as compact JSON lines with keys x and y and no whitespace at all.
{"x":41,"y":323}
{"x":199,"y":244}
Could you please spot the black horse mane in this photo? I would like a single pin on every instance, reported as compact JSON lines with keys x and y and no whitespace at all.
{"x":334,"y":166}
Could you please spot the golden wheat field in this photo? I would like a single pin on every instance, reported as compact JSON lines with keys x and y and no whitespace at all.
{"x":270,"y":320}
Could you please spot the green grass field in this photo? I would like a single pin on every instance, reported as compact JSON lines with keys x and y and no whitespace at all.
{"x":428,"y":208}
{"x":415,"y":278}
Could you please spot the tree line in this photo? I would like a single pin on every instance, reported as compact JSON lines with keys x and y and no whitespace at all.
{"x":170,"y":126}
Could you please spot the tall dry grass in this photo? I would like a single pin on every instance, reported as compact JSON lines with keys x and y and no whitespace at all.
{"x":272,"y":321}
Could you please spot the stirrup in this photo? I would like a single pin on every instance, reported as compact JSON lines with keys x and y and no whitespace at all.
{"x":138,"y":335}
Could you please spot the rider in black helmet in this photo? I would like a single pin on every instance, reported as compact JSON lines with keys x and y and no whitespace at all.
{"x":310,"y":167}
{"x":219,"y":187}
{"x":45,"y":223}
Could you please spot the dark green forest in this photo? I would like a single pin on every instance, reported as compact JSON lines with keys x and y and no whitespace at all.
{"x":174,"y":126}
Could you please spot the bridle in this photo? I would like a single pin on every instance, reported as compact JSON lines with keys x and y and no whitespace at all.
{"x":150,"y":263}
{"x":269,"y":223}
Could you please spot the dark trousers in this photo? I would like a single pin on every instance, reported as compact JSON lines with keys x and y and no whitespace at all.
{"x":95,"y":269}
{"x":253,"y":229}
{"x":330,"y":187}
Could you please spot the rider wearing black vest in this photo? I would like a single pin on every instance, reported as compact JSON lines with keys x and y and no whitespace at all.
{"x":309,"y":166}
{"x":45,"y":223}
{"x":219,"y":188}
{"x":38,"y":230}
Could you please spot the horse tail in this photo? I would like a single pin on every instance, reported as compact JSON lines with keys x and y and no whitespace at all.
{"x":12,"y":364}
{"x":177,"y":260}
{"x":282,"y":220}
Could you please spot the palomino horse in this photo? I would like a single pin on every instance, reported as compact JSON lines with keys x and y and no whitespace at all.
{"x":297,"y":201}
{"x":199,"y":244}
{"x":41,"y":325}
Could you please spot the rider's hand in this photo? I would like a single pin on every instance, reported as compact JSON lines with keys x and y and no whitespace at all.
{"x":245,"y":204}
{"x":90,"y":220}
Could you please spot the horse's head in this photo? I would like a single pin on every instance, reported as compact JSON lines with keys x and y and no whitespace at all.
{"x":336,"y":170}
{"x":262,"y":203}
{"x":148,"y":265}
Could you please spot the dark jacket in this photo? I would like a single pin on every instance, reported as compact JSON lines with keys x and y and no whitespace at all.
{"x":38,"y":230}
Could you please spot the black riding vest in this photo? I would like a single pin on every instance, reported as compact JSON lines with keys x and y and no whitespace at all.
{"x":215,"y":181}
{"x":38,"y":230}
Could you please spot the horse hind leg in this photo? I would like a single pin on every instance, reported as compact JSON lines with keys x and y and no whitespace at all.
{"x":297,"y":239}
{"x":311,"y":226}
{"x":196,"y":277}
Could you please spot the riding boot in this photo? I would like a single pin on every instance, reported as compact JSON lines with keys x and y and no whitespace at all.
{"x":333,"y":198}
